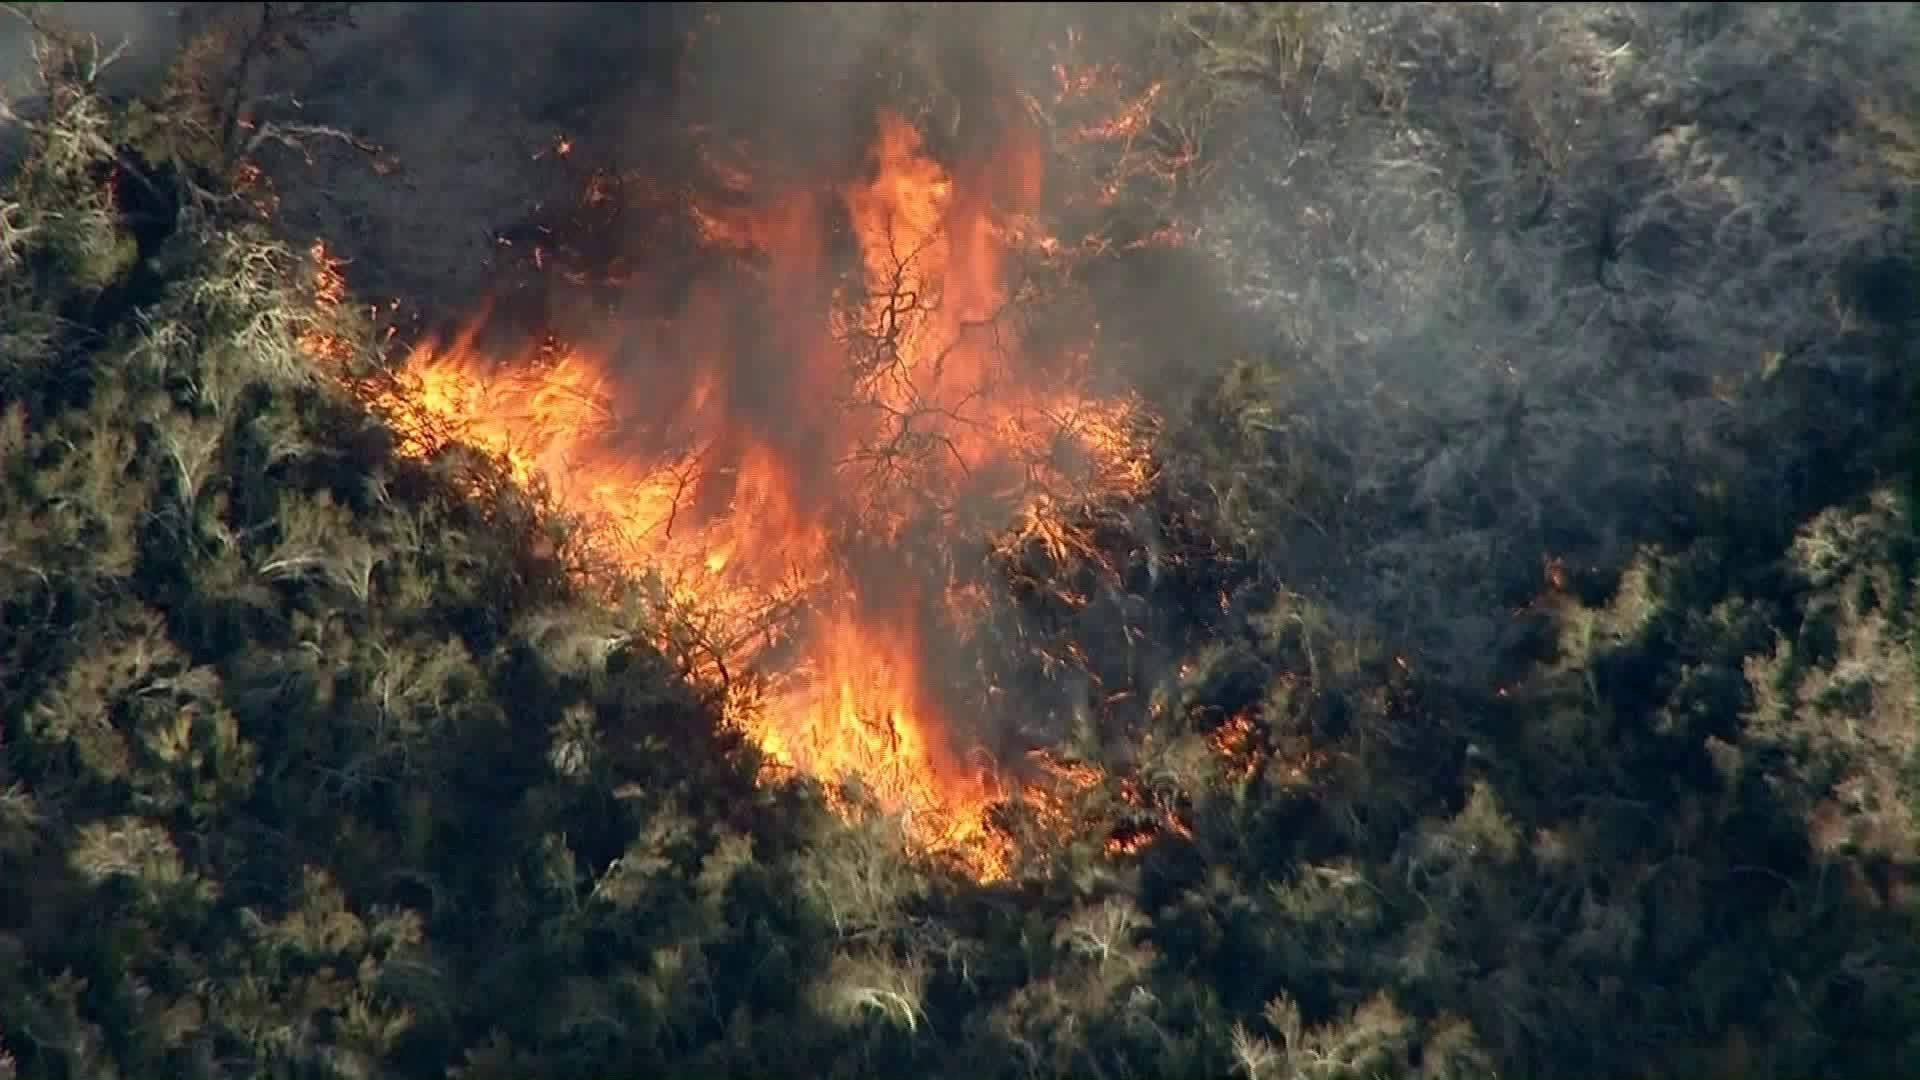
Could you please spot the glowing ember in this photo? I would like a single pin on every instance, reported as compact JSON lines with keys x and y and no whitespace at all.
{"x":788,"y":482}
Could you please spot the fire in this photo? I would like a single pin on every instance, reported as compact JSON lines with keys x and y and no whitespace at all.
{"x":788,"y":482}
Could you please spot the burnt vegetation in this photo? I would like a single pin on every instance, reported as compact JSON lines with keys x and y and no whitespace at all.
{"x":1509,"y":668}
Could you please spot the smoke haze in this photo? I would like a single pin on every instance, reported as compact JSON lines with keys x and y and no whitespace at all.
{"x":1536,"y":272}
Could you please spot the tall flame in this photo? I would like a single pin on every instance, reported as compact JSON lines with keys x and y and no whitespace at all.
{"x":780,"y":475}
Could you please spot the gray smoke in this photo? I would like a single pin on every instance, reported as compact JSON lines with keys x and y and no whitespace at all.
{"x":1541,"y":260}
{"x":145,"y":35}
{"x":1537,"y":273}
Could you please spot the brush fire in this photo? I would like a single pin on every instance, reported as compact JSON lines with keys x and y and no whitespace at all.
{"x":844,"y":396}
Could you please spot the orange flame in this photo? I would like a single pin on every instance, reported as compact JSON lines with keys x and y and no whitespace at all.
{"x":748,"y":484}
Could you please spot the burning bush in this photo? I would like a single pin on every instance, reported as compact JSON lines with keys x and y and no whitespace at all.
{"x":867,"y":597}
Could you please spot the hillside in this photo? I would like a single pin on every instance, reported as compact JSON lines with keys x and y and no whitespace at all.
{"x":1483,"y":643}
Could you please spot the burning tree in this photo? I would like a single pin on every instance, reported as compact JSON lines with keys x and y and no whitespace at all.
{"x":921,"y":375}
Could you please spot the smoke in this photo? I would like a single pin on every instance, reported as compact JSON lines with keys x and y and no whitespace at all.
{"x":146,"y":34}
{"x":459,"y":99}
{"x":1533,"y":265}
{"x":1536,"y":275}
{"x":138,"y":39}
